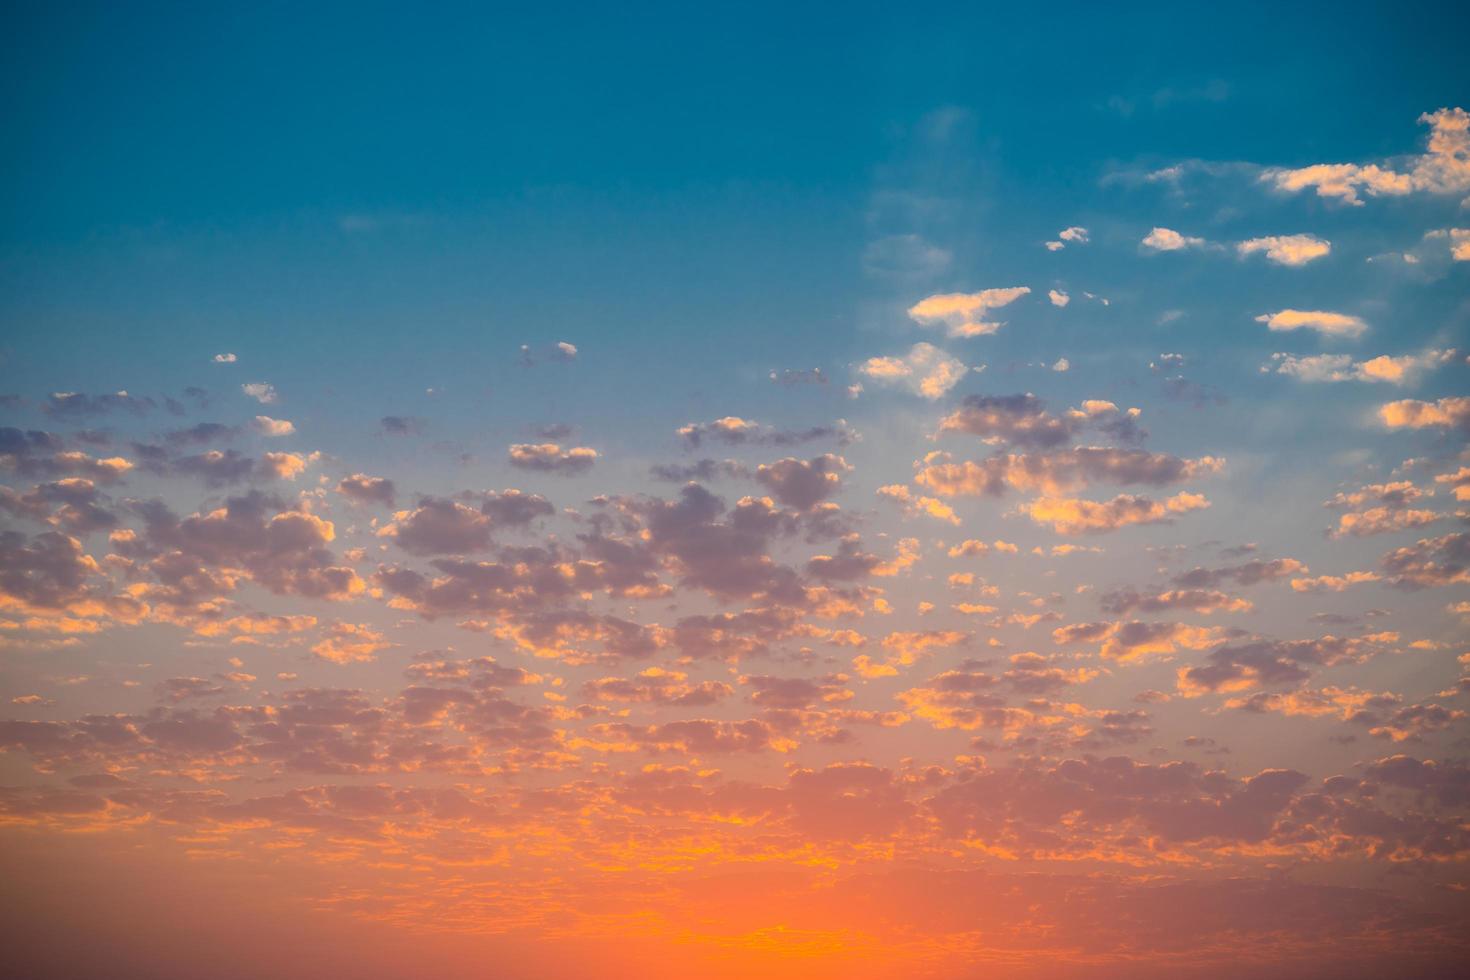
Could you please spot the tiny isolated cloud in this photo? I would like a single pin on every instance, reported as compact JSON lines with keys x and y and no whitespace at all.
{"x":1075,"y":235}
{"x":1062,"y":364}
{"x":261,"y":391}
{"x":1288,"y":250}
{"x":1058,"y":297}
{"x":964,"y":314}
{"x":1324,"y":322}
{"x":1169,"y":240}
{"x":925,"y":371}
{"x":225,"y":358}
{"x":268,"y":426}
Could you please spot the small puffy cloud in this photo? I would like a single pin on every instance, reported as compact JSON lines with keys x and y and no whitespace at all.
{"x":268,"y":426}
{"x":549,"y":457}
{"x":1058,"y":297}
{"x":964,"y":314}
{"x":1061,"y":365}
{"x":925,"y":371}
{"x":226,"y":358}
{"x":1071,"y":516}
{"x":1409,"y":413}
{"x":1326,"y":323}
{"x":363,"y":489}
{"x":1075,"y":235}
{"x":286,"y":466}
{"x":261,"y":391}
{"x":803,"y":483}
{"x":1290,"y":250}
{"x":1169,"y":240}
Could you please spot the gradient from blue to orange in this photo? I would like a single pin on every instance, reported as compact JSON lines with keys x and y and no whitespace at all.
{"x":696,"y":491}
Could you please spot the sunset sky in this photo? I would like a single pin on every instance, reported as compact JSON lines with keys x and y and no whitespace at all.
{"x":768,"y":490}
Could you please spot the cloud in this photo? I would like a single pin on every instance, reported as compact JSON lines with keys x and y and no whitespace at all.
{"x":1023,"y":420}
{"x":1071,"y":516}
{"x":261,"y":391}
{"x":925,"y":371}
{"x":1058,"y":297}
{"x":549,"y":457}
{"x":735,"y":431}
{"x":1058,"y":471}
{"x":1075,"y":235}
{"x":964,"y":314}
{"x":1449,"y":412}
{"x":1288,"y":250}
{"x":226,"y":358}
{"x":1443,"y":169}
{"x":1325,"y":323}
{"x":803,"y":483}
{"x":790,"y":378}
{"x":1341,"y":367}
{"x":268,"y":426}
{"x":363,"y":489}
{"x":1248,"y":573}
{"x":915,"y":504}
{"x":438,"y":526}
{"x":1429,"y":562}
{"x":1459,"y":241}
{"x":1168,"y":240}
{"x":71,"y":404}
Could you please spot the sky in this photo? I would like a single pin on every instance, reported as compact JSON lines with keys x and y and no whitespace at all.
{"x":890,"y":491}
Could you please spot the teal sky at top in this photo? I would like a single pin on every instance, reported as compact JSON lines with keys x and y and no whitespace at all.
{"x":370,"y":200}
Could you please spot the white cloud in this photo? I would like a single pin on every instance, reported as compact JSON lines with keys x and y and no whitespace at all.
{"x":1169,"y":240}
{"x":964,"y":313}
{"x":260,"y":391}
{"x":925,"y":371}
{"x":1058,"y":297}
{"x":1292,"y":250}
{"x":1328,"y":324}
{"x":225,"y":358}
{"x":1062,"y":364}
{"x":1076,"y":234}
